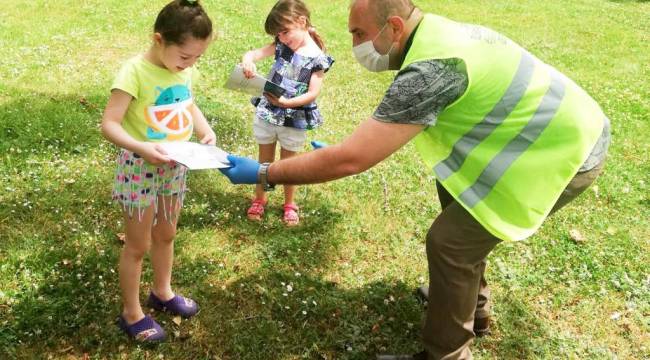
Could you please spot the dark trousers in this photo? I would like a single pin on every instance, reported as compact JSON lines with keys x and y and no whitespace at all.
{"x":457,"y":248}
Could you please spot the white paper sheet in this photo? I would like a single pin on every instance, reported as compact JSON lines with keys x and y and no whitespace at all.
{"x":253,"y":86}
{"x":196,"y":156}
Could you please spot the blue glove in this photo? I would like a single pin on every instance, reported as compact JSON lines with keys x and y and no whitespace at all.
{"x":242,"y":171}
{"x":318,"y":144}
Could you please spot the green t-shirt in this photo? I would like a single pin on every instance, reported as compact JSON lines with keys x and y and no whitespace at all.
{"x":161,"y":109}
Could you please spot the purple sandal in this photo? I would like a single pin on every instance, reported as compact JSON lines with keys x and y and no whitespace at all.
{"x":146,"y":330}
{"x":177,"y":305}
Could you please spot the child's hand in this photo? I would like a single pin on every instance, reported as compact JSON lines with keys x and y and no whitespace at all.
{"x":209,"y":138}
{"x":277,"y":101}
{"x":153,"y":154}
{"x":249,"y":69}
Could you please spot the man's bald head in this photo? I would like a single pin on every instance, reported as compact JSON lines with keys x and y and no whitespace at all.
{"x":383,"y":9}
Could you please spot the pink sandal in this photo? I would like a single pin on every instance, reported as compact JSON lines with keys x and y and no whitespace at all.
{"x":256,"y":210}
{"x":290,"y":216}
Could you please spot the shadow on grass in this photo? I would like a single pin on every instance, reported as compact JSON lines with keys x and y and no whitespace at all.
{"x":271,"y":310}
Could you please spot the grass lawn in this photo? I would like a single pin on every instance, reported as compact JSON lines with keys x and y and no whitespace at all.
{"x":341,"y":285}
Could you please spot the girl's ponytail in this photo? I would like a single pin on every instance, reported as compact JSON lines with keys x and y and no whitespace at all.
{"x":317,"y":39}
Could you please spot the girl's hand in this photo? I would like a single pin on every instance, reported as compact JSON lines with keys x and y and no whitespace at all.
{"x":249,"y":69}
{"x":153,"y":153}
{"x":279,"y":102}
{"x":210,"y":138}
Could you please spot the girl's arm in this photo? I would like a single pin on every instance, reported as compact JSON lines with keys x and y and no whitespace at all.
{"x":315,"y":85}
{"x":112,"y":130}
{"x":249,"y":59}
{"x":201,"y":127}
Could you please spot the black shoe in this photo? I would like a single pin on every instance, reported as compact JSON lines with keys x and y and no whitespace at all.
{"x":423,"y":293}
{"x":481,"y":325}
{"x":419,"y":356}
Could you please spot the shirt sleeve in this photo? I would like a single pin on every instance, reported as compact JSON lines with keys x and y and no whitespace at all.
{"x":421,"y":91}
{"x":126,"y":80}
{"x":323,"y":62}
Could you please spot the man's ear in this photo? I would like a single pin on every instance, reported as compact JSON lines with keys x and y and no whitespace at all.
{"x":397,"y":24}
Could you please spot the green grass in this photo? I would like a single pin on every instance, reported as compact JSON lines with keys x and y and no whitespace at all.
{"x":354,"y":263}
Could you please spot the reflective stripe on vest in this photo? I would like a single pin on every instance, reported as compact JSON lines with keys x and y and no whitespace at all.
{"x":500,"y":112}
{"x":500,"y":163}
{"x":509,"y":146}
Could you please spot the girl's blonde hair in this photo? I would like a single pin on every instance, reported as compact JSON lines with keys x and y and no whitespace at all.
{"x":287,"y":12}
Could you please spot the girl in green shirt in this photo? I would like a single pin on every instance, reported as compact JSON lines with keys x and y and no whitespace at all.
{"x":151,"y":101}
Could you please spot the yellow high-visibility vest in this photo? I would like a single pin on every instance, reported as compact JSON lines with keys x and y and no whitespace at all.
{"x":507,"y":148}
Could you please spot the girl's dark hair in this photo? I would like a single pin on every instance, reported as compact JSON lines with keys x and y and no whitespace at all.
{"x":287,"y":12}
{"x":181,"y":18}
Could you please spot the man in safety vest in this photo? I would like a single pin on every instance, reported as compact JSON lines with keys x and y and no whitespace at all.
{"x":509,"y":139}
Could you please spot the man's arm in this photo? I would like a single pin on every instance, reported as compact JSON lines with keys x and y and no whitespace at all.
{"x":372,"y":142}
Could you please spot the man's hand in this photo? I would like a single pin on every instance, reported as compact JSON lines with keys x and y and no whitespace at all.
{"x":318,"y":144}
{"x":242,"y":171}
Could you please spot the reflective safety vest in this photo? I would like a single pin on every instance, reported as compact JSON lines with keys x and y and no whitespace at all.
{"x":507,"y":148}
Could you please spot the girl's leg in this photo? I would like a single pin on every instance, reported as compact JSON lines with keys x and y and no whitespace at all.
{"x":267,"y":154}
{"x":289,"y":190}
{"x":137,"y":243}
{"x":162,"y":247}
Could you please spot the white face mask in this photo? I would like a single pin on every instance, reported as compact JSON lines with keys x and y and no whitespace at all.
{"x":370,"y":58}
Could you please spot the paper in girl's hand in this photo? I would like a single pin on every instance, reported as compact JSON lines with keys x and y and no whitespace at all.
{"x":253,"y":86}
{"x":196,"y":156}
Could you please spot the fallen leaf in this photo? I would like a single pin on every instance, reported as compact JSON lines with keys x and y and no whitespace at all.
{"x":176,"y":320}
{"x":576,"y":236}
{"x":375,"y":328}
{"x":65,"y":350}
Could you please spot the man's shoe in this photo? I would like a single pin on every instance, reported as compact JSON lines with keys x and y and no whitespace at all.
{"x":481,"y":325}
{"x":423,"y":293}
{"x":419,"y":356}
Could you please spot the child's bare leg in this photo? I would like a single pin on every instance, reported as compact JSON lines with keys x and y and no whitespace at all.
{"x":162,"y":245}
{"x":137,"y":243}
{"x":289,"y":190}
{"x":267,"y":154}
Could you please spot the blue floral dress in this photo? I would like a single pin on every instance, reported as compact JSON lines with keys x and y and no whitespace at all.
{"x":293,"y":72}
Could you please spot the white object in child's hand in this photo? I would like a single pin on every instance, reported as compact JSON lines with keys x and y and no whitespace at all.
{"x":253,"y":86}
{"x":196,"y":156}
